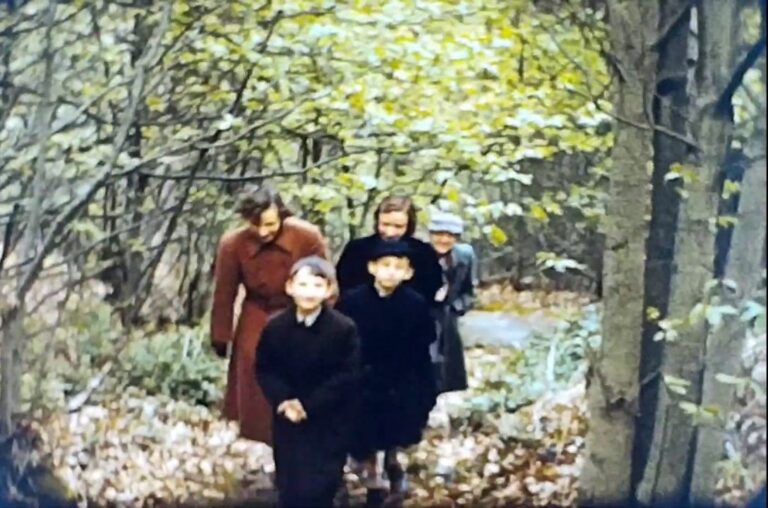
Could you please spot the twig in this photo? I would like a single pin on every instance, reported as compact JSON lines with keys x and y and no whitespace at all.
{"x":78,"y":401}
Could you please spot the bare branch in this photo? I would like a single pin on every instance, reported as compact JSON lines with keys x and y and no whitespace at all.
{"x":147,"y":60}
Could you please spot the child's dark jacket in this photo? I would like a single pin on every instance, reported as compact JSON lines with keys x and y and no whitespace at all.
{"x":398,"y":388}
{"x":319,"y":365}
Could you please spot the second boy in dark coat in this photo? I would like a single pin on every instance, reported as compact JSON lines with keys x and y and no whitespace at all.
{"x":396,"y":330}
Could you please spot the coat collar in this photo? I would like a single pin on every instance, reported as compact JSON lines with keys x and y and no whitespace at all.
{"x":456,"y":258}
{"x":283,"y":241}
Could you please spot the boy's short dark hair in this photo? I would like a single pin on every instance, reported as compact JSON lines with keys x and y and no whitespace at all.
{"x":317,"y":266}
{"x":387,"y":248}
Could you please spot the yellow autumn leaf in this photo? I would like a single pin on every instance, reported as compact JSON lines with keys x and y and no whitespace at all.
{"x":537,"y":212}
{"x":155,"y":103}
{"x":357,"y":101}
{"x":497,"y":236}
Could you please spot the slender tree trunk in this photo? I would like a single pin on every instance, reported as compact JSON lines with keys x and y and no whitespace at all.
{"x":613,"y":384}
{"x":670,"y":110}
{"x":744,"y":263}
{"x":12,"y":319}
{"x":667,"y":475}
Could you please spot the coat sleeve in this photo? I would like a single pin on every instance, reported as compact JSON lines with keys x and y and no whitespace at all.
{"x":467,"y":290}
{"x":432,"y":274}
{"x":342,"y":384}
{"x":422,"y":359}
{"x":425,"y":324}
{"x":268,"y":369}
{"x":316,"y":245}
{"x":345,"y":268}
{"x":226,"y":283}
{"x":475,"y":268}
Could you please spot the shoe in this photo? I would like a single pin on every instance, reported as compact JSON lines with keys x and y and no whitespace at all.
{"x":374,"y":498}
{"x":399,"y":486}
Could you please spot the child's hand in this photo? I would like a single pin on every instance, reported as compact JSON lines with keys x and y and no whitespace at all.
{"x":292,"y":410}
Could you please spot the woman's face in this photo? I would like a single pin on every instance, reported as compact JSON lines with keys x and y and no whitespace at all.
{"x":442,"y":241}
{"x":267,"y":225}
{"x":392,"y":225}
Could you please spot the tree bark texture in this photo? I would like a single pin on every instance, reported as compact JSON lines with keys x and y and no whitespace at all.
{"x":724,"y":346}
{"x":667,"y":475}
{"x":613,"y":384}
{"x":670,"y":111}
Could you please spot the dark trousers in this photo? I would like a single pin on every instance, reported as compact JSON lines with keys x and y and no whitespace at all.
{"x":392,"y":466}
{"x":318,"y":500}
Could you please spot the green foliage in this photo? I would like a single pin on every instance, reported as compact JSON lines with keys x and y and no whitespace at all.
{"x":177,"y":363}
{"x":547,"y":364}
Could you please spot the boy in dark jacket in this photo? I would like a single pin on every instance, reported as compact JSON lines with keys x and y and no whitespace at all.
{"x":396,"y":330}
{"x":307,"y":366}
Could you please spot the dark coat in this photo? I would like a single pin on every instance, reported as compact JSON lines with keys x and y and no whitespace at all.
{"x":398,"y":386}
{"x":448,"y":352}
{"x":319,"y":365}
{"x":352,"y":268}
{"x":262,"y":270}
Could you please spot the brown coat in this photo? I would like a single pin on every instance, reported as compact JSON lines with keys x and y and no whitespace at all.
{"x":262,"y":269}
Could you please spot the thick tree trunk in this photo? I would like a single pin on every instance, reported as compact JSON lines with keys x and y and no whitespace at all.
{"x":667,"y":475}
{"x":744,"y":263}
{"x":670,"y":111}
{"x":613,"y":388}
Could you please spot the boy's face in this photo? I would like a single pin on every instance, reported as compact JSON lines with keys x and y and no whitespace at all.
{"x":390,"y":271}
{"x":308,"y":291}
{"x":442,"y":241}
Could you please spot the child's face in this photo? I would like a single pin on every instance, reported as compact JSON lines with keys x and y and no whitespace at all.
{"x":442,"y":241}
{"x":390,"y":271}
{"x":308,"y":291}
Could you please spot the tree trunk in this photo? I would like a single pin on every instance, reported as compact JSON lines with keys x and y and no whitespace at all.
{"x":613,"y":383}
{"x":11,"y":320}
{"x":670,"y":110}
{"x":744,"y":263}
{"x":667,"y":475}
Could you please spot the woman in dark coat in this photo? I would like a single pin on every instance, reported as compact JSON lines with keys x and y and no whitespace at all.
{"x":395,"y":219}
{"x":454,"y":299}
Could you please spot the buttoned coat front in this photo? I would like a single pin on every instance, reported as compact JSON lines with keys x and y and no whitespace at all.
{"x":262,"y":269}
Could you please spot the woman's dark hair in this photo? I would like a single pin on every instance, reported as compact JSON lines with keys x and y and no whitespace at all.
{"x":397,"y":204}
{"x":317,"y":266}
{"x":253,"y":200}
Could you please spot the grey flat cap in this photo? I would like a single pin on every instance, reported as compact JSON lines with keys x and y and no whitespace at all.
{"x":446,"y":222}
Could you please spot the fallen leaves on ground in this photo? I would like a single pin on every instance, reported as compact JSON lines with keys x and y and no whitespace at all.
{"x":145,"y":450}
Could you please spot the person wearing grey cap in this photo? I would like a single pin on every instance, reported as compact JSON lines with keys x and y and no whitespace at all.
{"x":453,"y":300}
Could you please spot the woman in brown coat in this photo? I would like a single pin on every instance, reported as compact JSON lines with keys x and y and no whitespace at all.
{"x":258,"y":256}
